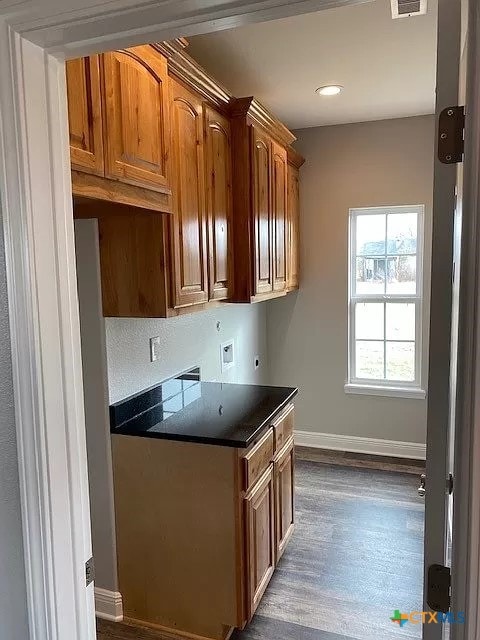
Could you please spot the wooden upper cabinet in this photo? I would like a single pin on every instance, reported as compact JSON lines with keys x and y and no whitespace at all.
{"x":262,"y":212}
{"x":218,"y":173}
{"x":188,"y":224}
{"x":295,"y":161}
{"x":261,"y":145}
{"x":136,"y":117}
{"x":133,"y":271}
{"x":85,"y":115}
{"x":260,"y":516}
{"x":279,"y":216}
{"x":293,"y":262}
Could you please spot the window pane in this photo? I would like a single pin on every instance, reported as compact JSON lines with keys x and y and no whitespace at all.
{"x":370,"y":275}
{"x":401,"y":233}
{"x":369,"y":360}
{"x":402,"y":274}
{"x":400,"y":321}
{"x":369,"y":320}
{"x":400,"y":361}
{"x":370,"y":231}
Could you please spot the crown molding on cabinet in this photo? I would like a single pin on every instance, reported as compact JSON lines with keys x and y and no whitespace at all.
{"x":189,"y":71}
{"x":294,"y":158}
{"x":259,"y":114}
{"x":185,"y":68}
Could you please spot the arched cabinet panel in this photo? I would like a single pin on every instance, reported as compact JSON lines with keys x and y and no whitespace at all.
{"x":279,"y":215}
{"x":136,"y":117}
{"x":218,"y":173}
{"x":188,"y":224}
{"x":262,"y":212}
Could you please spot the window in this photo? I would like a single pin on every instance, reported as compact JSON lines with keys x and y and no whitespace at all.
{"x":385,"y":301}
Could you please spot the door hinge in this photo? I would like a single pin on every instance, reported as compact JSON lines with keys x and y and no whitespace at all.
{"x":438,"y":588}
{"x":89,"y":572}
{"x":450,"y":484}
{"x":451,"y":125}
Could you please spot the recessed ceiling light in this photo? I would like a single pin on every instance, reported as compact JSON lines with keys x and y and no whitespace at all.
{"x":329,"y":90}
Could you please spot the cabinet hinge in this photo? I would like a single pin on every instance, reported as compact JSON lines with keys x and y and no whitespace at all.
{"x":89,"y":572}
{"x":438,"y":588}
{"x":451,"y":125}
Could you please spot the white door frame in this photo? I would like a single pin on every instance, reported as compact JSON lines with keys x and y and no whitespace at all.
{"x":35,"y":191}
{"x":466,"y":525}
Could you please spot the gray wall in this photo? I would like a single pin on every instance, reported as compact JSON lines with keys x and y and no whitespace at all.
{"x":388,"y":162}
{"x":123,"y":345}
{"x":186,"y":341}
{"x":13,"y":605}
{"x":100,"y":478}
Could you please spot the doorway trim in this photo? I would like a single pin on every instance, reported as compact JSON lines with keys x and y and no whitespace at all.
{"x":36,"y":205}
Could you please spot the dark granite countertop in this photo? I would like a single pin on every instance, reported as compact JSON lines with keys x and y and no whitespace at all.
{"x":184,"y":408}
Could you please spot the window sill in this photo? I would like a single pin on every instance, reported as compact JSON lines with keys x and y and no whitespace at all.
{"x":391,"y":392}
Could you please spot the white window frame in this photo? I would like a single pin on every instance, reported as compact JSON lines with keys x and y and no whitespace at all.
{"x":369,"y":386}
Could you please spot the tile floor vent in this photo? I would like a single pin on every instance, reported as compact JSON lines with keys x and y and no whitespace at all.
{"x":408,"y":8}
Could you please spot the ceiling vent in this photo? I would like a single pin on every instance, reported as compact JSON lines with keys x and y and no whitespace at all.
{"x":408,"y":8}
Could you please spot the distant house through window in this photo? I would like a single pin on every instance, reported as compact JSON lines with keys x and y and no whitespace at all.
{"x":385,"y":300}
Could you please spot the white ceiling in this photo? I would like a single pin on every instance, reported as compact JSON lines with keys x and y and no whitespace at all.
{"x":387,"y":67}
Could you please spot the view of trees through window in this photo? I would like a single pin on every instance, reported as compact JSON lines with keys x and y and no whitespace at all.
{"x":385,"y":294}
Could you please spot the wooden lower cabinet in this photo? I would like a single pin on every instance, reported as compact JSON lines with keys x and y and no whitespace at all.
{"x":199,"y":532}
{"x":260,"y":538}
{"x":284,"y":482}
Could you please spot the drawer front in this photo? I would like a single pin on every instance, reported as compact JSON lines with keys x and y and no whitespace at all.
{"x":256,"y":460}
{"x":283,"y":427}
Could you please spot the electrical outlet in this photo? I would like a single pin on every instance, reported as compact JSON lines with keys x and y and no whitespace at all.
{"x":256,"y":362}
{"x":154,"y":348}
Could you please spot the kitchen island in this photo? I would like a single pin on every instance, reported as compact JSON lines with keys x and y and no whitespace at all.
{"x":204,"y":501}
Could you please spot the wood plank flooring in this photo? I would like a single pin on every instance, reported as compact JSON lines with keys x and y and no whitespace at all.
{"x":356,"y":555}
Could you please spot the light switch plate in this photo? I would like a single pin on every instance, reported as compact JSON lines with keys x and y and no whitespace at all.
{"x":154,"y":348}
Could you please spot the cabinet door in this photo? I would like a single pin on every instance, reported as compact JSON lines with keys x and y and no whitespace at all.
{"x":260,"y":506}
{"x":293,"y":237}
{"x":188,"y":225}
{"x":85,"y":114}
{"x":284,"y":497}
{"x":279,"y":215}
{"x":218,"y":164}
{"x":262,"y":212}
{"x":136,"y":117}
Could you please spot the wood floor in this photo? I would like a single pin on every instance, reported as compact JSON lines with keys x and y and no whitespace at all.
{"x":356,"y":556}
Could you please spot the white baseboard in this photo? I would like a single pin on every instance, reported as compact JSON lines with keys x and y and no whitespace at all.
{"x":356,"y":444}
{"x":108,"y":605}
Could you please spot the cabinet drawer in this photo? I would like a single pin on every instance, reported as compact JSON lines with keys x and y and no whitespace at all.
{"x":283,"y":427}
{"x":257,"y":459}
